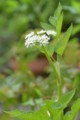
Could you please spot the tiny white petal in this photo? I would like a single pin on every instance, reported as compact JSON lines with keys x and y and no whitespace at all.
{"x":29,"y":35}
{"x":41,"y":32}
{"x":51,"y":32}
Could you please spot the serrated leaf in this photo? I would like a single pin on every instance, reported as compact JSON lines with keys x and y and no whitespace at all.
{"x":61,"y":45}
{"x":46,"y":26}
{"x":55,"y":20}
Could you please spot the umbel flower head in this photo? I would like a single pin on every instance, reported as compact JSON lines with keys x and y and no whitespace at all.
{"x":41,"y":38}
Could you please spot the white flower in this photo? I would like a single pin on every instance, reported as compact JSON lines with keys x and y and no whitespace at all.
{"x":41,"y":32}
{"x":43,"y":40}
{"x":31,"y":41}
{"x":40,"y":37}
{"x":51,"y":32}
{"x":29,"y":35}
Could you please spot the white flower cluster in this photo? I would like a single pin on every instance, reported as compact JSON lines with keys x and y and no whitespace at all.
{"x":41,"y":37}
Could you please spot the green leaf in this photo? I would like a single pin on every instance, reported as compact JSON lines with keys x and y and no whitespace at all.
{"x":63,"y":102}
{"x":55,"y":114}
{"x":73,"y":112}
{"x":75,"y":108}
{"x":57,"y":105}
{"x":50,"y":49}
{"x":46,"y":26}
{"x":59,"y":26}
{"x":58,"y":11}
{"x":76,"y":29}
{"x":37,"y":115}
{"x":53,"y":21}
{"x":68,"y":116}
{"x":57,"y":19}
{"x":61,"y":45}
{"x":67,"y":97}
{"x":17,"y":113}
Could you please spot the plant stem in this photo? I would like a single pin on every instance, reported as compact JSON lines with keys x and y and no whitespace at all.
{"x":57,"y":74}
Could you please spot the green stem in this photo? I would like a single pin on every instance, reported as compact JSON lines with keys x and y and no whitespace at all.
{"x":55,"y":72}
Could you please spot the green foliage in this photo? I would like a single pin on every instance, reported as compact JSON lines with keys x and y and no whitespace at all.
{"x":61,"y":45}
{"x":46,"y":26}
{"x":29,"y":14}
{"x":64,"y":100}
{"x":73,"y":112}
{"x":51,"y":110}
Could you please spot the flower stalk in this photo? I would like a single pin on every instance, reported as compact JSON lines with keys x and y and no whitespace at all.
{"x":55,"y":71}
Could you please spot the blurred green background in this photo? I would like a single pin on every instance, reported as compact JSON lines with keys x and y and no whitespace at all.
{"x":20,"y":79}
{"x":18,"y":16}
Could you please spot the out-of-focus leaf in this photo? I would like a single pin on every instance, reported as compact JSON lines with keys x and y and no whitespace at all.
{"x":58,"y":11}
{"x":73,"y":112}
{"x":46,"y":26}
{"x":64,"y":100}
{"x":61,"y":45}
{"x":76,"y":29}
{"x":59,"y":26}
{"x":53,"y":21}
